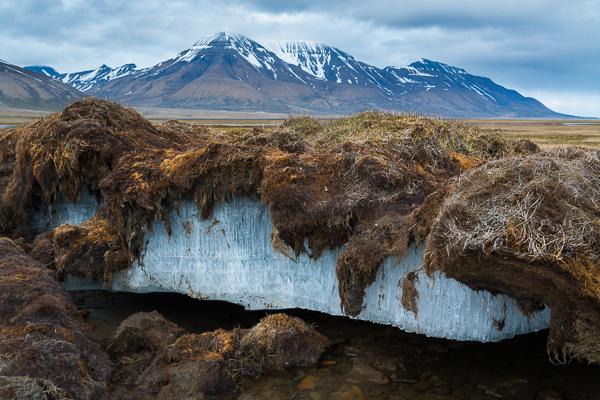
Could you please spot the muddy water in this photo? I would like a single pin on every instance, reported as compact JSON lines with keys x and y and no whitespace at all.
{"x":371,"y":361}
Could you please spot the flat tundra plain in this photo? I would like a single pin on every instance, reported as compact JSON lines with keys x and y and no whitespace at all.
{"x":546,"y":133}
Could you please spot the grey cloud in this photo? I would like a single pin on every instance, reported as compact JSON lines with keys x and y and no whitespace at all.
{"x":543,"y":46}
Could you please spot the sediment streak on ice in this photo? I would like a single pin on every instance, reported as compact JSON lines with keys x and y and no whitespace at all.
{"x":230,"y":257}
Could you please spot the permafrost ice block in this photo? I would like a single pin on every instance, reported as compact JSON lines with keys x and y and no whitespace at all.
{"x":230,"y":257}
{"x":64,"y":212}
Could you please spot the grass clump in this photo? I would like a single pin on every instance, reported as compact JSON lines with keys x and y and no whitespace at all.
{"x":529,"y":227}
{"x":158,"y":360}
{"x":42,"y":336}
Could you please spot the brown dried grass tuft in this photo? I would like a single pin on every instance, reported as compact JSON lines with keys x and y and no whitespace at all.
{"x":529,"y":227}
{"x":281,"y":341}
{"x":41,"y":333}
{"x":207,"y":365}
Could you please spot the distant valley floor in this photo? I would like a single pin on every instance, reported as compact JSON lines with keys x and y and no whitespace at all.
{"x":545,"y":132}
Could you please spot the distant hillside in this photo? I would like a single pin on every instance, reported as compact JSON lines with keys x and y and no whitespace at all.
{"x":20,"y":88}
{"x":86,"y":80}
{"x":233,"y":72}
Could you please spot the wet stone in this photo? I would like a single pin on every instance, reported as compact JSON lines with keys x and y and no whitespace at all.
{"x":309,"y":382}
{"x":328,"y":363}
{"x":386,"y":364}
{"x":363,"y":372}
{"x":432,"y":384}
{"x":349,"y":393}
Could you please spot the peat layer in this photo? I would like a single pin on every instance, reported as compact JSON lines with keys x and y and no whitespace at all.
{"x":495,"y":214}
{"x":42,"y":336}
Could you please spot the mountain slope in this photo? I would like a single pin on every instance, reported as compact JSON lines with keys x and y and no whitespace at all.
{"x":446,"y":90}
{"x":86,"y":80}
{"x":220,"y":71}
{"x":20,"y":88}
{"x":233,"y":72}
{"x":330,"y":64}
{"x":44,"y":70}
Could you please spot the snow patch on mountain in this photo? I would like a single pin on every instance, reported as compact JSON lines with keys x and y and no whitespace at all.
{"x":330,"y":64}
{"x":312,"y":57}
{"x":87,"y":80}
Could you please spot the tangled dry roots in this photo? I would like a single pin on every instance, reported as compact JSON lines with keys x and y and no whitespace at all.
{"x":530,"y":227}
{"x":42,"y":335}
{"x":164,"y":362}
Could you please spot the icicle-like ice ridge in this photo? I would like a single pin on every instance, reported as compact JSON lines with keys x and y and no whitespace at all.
{"x":65,"y":212}
{"x":230,"y":257}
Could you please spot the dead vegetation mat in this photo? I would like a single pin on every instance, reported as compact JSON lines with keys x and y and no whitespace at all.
{"x":530,"y":227}
{"x":45,"y":352}
{"x":372,"y":183}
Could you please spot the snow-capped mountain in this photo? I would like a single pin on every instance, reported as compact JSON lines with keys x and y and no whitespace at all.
{"x":233,"y":72}
{"x":87,"y":80}
{"x":427,"y":75}
{"x":237,"y":45}
{"x":219,"y":71}
{"x":452,"y":90}
{"x":330,"y":64}
{"x":20,"y":88}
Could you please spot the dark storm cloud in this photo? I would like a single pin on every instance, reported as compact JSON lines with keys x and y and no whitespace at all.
{"x":547,"y":48}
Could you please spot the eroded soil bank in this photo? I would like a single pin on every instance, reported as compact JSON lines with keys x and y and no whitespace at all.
{"x":367,"y":360}
{"x":494,"y":214}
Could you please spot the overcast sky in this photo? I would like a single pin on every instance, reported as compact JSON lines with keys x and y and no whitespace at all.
{"x":544,"y":48}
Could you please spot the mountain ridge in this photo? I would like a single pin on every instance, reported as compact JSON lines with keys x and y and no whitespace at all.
{"x":233,"y":72}
{"x":24,"y":89}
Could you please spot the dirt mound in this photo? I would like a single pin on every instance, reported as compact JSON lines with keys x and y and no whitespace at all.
{"x":145,"y":331}
{"x":372,"y":182}
{"x":207,"y":365}
{"x":528,"y":227}
{"x":42,"y":335}
{"x":279,"y":341}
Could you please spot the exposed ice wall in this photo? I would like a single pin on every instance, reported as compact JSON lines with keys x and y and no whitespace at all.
{"x":65,"y":212}
{"x":230,"y":257}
